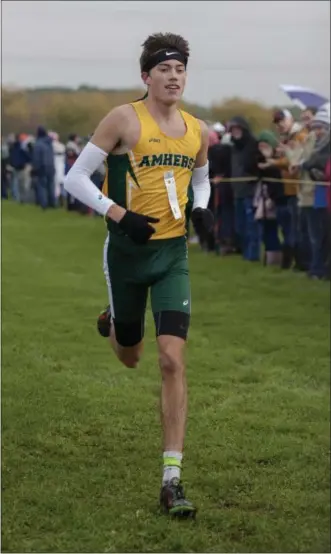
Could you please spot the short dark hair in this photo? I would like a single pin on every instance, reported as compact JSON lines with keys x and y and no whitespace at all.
{"x":278,"y":116}
{"x":311,"y":109}
{"x":163,"y":41}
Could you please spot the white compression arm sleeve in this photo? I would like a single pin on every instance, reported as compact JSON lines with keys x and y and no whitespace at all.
{"x":79,"y":184}
{"x":201,"y":186}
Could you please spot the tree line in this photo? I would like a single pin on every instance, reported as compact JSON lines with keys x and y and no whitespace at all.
{"x":79,"y":110}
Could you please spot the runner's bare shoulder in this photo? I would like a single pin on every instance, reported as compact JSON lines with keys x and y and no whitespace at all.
{"x":204,"y":135}
{"x":119,"y":130}
{"x":204,"y":128}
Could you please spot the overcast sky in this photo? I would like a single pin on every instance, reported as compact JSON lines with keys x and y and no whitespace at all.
{"x":237,"y":48}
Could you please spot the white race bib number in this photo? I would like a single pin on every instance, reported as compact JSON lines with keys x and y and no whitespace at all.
{"x":170,"y":183}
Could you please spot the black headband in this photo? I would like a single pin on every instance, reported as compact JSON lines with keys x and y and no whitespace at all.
{"x":163,"y":56}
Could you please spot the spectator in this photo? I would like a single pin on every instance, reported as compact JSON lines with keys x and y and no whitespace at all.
{"x":293,"y":136}
{"x":4,"y":168}
{"x":307,"y":116}
{"x":18,"y":160}
{"x":269,"y":197}
{"x":43,"y":169}
{"x":244,"y":165}
{"x":327,"y":178}
{"x":213,"y":137}
{"x":313,"y":199}
{"x":59,"y":151}
{"x":27,"y":145}
{"x":219,"y":171}
{"x":219,"y":129}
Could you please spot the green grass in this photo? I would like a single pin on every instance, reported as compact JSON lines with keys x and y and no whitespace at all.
{"x":81,"y":449}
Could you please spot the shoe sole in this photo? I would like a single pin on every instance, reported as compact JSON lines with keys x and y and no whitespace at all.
{"x":180,"y":512}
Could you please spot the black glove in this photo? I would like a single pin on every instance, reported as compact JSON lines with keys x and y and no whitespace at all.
{"x":137,"y":227}
{"x":203,"y":221}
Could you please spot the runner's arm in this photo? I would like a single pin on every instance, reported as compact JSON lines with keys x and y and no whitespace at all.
{"x":78,"y":180}
{"x":200,"y":174}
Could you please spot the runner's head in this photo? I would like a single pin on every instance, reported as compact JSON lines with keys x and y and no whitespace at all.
{"x":163,"y":66}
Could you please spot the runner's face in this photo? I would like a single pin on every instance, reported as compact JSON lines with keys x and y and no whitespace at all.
{"x":167,"y":80}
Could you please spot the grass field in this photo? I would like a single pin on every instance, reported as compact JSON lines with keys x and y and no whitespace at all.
{"x":81,"y":456}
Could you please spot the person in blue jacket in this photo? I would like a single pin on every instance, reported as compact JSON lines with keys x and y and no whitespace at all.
{"x":43,"y":169}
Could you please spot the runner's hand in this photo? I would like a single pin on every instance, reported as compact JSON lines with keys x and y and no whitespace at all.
{"x":203,"y":221}
{"x":137,"y":226}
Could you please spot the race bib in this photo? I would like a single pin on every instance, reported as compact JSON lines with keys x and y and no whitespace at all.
{"x":170,"y":183}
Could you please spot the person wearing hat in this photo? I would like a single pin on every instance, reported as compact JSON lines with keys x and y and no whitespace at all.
{"x":219,"y":129}
{"x":244,"y":153}
{"x":313,"y":197}
{"x":292,"y":137}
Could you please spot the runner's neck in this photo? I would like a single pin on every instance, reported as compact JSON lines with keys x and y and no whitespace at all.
{"x":161,"y":111}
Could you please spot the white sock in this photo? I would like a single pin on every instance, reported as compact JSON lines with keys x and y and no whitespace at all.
{"x":172,"y":462}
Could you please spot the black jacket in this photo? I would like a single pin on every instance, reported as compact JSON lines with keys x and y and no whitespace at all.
{"x":275,"y":190}
{"x":219,"y":156}
{"x":243,"y":159}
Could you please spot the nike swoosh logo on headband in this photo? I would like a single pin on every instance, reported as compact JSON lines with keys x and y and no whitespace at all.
{"x":171,"y":53}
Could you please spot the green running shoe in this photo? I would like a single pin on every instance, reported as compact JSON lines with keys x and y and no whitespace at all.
{"x":173,"y":501}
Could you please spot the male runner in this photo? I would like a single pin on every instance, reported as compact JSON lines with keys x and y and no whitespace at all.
{"x":153,"y":151}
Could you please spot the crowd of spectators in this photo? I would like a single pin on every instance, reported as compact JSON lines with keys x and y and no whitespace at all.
{"x":270,"y":193}
{"x":33,"y":169}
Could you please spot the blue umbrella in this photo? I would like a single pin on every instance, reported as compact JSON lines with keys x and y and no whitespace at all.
{"x":304,"y":97}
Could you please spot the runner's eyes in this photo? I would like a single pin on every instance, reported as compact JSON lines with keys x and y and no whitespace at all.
{"x":179,"y":70}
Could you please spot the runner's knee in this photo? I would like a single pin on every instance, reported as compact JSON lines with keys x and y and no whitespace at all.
{"x":171,"y":359}
{"x":130,"y":356}
{"x":129,"y":338}
{"x":170,"y":363}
